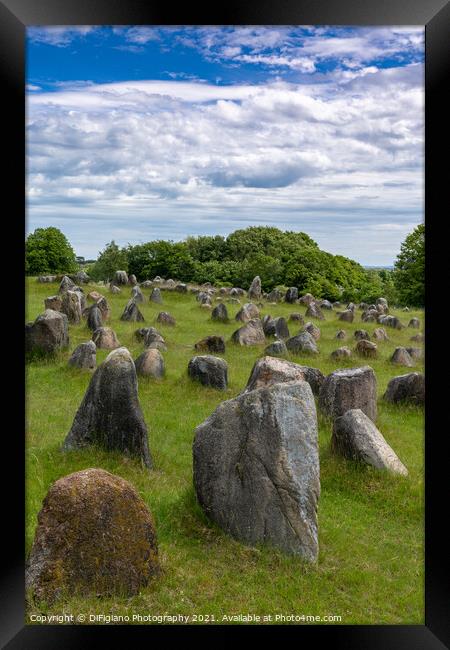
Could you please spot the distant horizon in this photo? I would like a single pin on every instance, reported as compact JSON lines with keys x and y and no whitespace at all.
{"x":138,"y":133}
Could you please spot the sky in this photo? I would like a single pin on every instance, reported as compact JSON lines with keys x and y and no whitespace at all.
{"x":137,"y":133}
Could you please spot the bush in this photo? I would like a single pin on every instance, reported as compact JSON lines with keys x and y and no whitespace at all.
{"x":47,"y":250}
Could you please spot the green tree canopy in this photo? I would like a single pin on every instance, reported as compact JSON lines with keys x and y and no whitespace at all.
{"x":47,"y":250}
{"x":409,"y":269}
{"x":111,"y":259}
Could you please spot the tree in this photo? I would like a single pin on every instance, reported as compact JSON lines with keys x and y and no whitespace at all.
{"x":111,"y":259}
{"x":409,"y":269}
{"x":47,"y":250}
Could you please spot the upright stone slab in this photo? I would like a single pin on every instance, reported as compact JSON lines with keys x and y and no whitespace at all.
{"x":137,"y":294}
{"x":349,"y":388}
{"x":48,"y":333}
{"x":150,"y":364}
{"x":84,"y":356}
{"x":95,"y":536}
{"x":277,"y":327}
{"x":356,"y":437}
{"x":256,"y":468}
{"x":132,"y":313}
{"x":105,"y":338}
{"x":254,"y":292}
{"x":94,"y":318}
{"x":220,"y":313}
{"x":291,"y":295}
{"x":110,"y":414}
{"x":251,"y":333}
{"x":53,"y":302}
{"x":248,"y":312}
{"x":156,"y":296}
{"x":120,"y":277}
{"x":66,"y":284}
{"x":209,"y":371}
{"x":303,"y":343}
{"x":71,"y":306}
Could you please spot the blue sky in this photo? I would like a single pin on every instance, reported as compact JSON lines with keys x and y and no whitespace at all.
{"x":140,"y":133}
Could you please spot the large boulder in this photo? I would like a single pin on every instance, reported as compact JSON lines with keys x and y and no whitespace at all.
{"x":269,"y":370}
{"x":132,"y":312}
{"x":94,"y":318}
{"x":53,"y":302}
{"x":402,"y":357}
{"x":252,"y":333}
{"x":254,"y":292}
{"x":276,"y":327}
{"x":110,"y":415}
{"x":291,"y":295}
{"x":248,"y":312}
{"x":303,"y":343}
{"x":356,"y":437}
{"x":406,"y":388}
{"x":84,"y":356}
{"x":71,"y":306}
{"x":95,"y":536}
{"x":347,"y":316}
{"x":156,"y":296}
{"x":220,"y":313}
{"x":314,"y":311}
{"x":209,"y":371}
{"x":150,"y":364}
{"x":349,"y":388}
{"x":105,"y":338}
{"x":366,"y":349}
{"x":120,"y":277}
{"x":164,"y":318}
{"x":256,"y":468}
{"x":47,"y":334}
{"x":211,"y":344}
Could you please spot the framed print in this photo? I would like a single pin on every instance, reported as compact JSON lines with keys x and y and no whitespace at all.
{"x":231,"y":234}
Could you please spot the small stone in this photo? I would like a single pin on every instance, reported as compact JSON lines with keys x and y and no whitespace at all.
{"x":361,"y":335}
{"x":211,"y":344}
{"x":341,"y":353}
{"x":415,"y":323}
{"x":165,"y":319}
{"x":248,"y":312}
{"x":276,"y":349}
{"x":366,"y":349}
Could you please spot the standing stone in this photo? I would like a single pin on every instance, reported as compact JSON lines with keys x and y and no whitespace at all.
{"x":406,"y":388}
{"x":291,"y":295}
{"x":347,"y":316}
{"x":132,"y":312}
{"x":274,"y":296}
{"x":220,"y":313}
{"x":105,"y":338}
{"x":326,"y":304}
{"x":250,"y":334}
{"x":146,"y":284}
{"x":341,"y":334}
{"x":314,"y":311}
{"x":211,"y":344}
{"x":137,"y":294}
{"x":132,"y":280}
{"x":156,"y":296}
{"x":254,"y":292}
{"x":256,"y":468}
{"x":148,"y":335}
{"x":84,"y":356}
{"x":165,"y":319}
{"x":307,"y":299}
{"x":93,"y":296}
{"x":383,"y":302}
{"x":209,"y":371}
{"x":414,"y":322}
{"x":47,"y":278}
{"x":341,"y":353}
{"x":276,"y":349}
{"x":71,"y":306}
{"x":356,"y":437}
{"x":120,"y":277}
{"x":110,"y":414}
{"x":379,"y":334}
{"x":296,"y":317}
{"x":415,"y":353}
{"x":150,"y":364}
{"x":402,"y":357}
{"x":82,"y":277}
{"x":66,"y":284}
{"x":114,"y":289}
{"x":361,"y":335}
{"x":94,"y":318}
{"x":95,"y":536}
{"x":417,"y":338}
{"x":276,"y":327}
{"x":303,"y":343}
{"x":313,"y":330}
{"x":53,"y":302}
{"x":349,"y":388}
{"x":102,"y":304}
{"x":366,"y":349}
{"x":48,"y":333}
{"x":268,"y":371}
{"x":181,"y":287}
{"x":248,"y":312}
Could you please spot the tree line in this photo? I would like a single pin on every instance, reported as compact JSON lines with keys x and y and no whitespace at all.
{"x":280,"y":258}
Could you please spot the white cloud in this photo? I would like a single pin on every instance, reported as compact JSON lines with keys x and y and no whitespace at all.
{"x":58,"y":36}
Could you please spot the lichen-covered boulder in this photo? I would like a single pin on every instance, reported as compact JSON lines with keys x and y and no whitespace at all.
{"x":105,"y":338}
{"x":248,"y":312}
{"x":325,"y":304}
{"x":95,"y":536}
{"x":314,"y":311}
{"x":254,"y":292}
{"x":94,"y":317}
{"x":209,"y":371}
{"x":84,"y":356}
{"x":347,"y":316}
{"x":252,"y":333}
{"x":274,"y":296}
{"x":110,"y":415}
{"x":132,"y":312}
{"x":256,"y":468}
{"x":402,"y":357}
{"x":406,"y":388}
{"x":47,"y":334}
{"x":276,"y":349}
{"x":269,"y":370}
{"x":303,"y":343}
{"x":71,"y":306}
{"x":349,"y":388}
{"x":220,"y":313}
{"x":166,"y":319}
{"x":211,"y":344}
{"x":357,"y":438}
{"x":53,"y":302}
{"x":291,"y":295}
{"x":150,"y":364}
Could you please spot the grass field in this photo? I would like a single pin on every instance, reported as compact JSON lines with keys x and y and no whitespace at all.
{"x":370,"y":567}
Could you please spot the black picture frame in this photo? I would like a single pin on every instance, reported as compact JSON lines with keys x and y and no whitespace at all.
{"x":15,"y":16}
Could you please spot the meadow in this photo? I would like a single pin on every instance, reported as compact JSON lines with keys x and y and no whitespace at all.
{"x":371,"y":523}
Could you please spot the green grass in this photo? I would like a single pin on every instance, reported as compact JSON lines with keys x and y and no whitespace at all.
{"x":370,"y":567}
